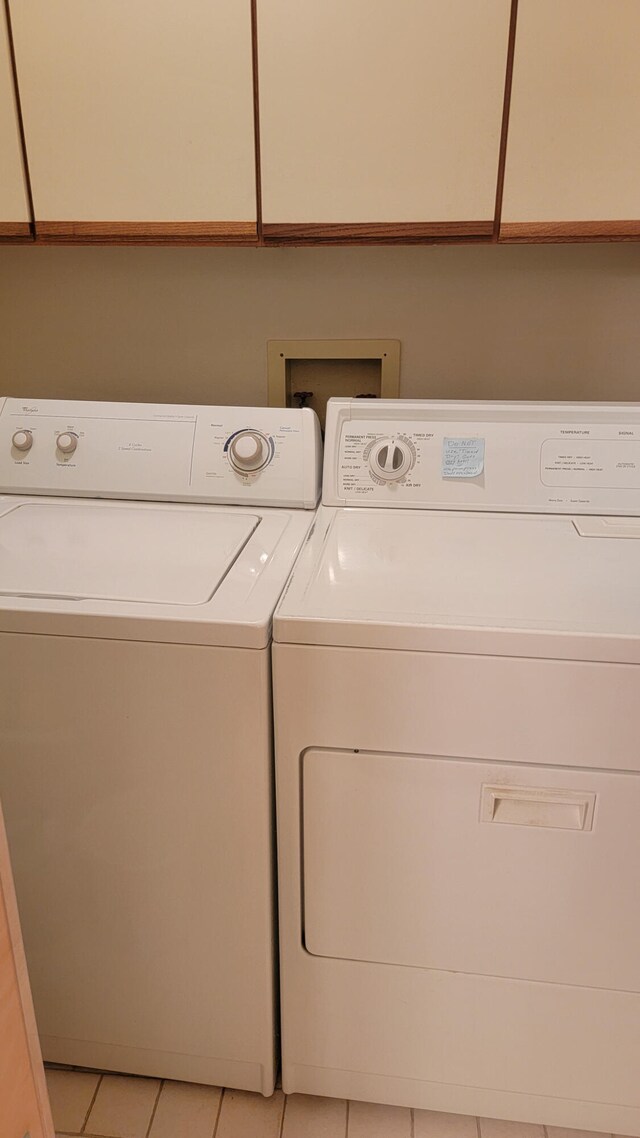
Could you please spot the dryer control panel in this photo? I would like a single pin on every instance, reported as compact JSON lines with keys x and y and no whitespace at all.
{"x":576,"y":458}
{"x":254,"y":456}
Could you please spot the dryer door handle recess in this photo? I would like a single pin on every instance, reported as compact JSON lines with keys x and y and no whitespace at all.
{"x":536,"y":806}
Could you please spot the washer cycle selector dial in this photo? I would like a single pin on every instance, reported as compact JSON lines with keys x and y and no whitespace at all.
{"x":390,"y":459}
{"x":67,"y":442}
{"x":249,"y":451}
{"x":22,"y":440}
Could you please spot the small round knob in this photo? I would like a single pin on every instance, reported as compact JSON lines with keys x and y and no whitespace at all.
{"x":22,"y":440}
{"x":248,"y":451}
{"x":390,"y":460}
{"x":67,"y":442}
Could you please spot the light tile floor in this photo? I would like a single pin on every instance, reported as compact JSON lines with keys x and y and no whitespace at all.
{"x":123,"y":1106}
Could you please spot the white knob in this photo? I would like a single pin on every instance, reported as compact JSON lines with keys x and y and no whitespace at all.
{"x":390,"y":460}
{"x":67,"y":442}
{"x":248,"y":451}
{"x":22,"y":440}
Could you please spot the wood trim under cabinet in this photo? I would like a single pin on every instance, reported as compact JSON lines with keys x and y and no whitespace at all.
{"x":147,"y":232}
{"x":13,"y":229}
{"x":374,"y":233}
{"x":559,"y":231}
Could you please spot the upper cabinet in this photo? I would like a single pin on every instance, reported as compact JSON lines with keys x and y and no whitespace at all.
{"x":380,"y":120}
{"x":14,"y":205}
{"x":573,"y":152}
{"x":138,"y":118}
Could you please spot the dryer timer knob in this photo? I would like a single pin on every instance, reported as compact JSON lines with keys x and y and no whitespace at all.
{"x":390,"y":460}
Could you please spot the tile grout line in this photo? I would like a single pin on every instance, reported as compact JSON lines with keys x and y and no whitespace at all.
{"x":346,"y":1128}
{"x":284,"y":1107}
{"x":223,"y":1091}
{"x":412,"y":1126}
{"x":478,"y":1126}
{"x":155,"y":1107}
{"x":93,"y":1099}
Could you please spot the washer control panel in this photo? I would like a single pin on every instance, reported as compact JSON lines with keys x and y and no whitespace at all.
{"x":430,"y":454}
{"x":253,"y":456}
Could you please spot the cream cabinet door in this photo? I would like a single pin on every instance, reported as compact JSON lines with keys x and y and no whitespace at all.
{"x":138,"y":117}
{"x":14,"y":206}
{"x":573,"y":148}
{"x":387,"y":112}
{"x":24,"y":1105}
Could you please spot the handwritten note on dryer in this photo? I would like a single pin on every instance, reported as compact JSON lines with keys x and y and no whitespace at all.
{"x":462,"y":458}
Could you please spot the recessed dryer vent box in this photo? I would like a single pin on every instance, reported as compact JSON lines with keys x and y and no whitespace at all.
{"x":309,"y":372}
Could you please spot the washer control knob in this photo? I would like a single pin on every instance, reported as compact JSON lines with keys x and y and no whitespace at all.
{"x":248,"y":451}
{"x":67,"y":442}
{"x":22,"y":440}
{"x":390,"y":460}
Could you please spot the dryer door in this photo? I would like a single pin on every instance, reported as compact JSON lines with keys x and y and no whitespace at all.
{"x":497,"y":869}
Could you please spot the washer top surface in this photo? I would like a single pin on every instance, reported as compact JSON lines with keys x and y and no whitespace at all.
{"x":171,"y":573}
{"x":118,"y":552}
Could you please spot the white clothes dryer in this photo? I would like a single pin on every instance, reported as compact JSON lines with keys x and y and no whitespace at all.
{"x":143,"y":549}
{"x":457,"y":706}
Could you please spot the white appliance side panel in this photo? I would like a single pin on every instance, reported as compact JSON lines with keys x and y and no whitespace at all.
{"x":427,"y":1037}
{"x":137,"y":788}
{"x":492,"y":869}
{"x":538,"y":457}
{"x":159,"y":451}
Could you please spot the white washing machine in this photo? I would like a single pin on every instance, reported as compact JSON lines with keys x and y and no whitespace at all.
{"x":457,"y":704}
{"x":135,"y":722}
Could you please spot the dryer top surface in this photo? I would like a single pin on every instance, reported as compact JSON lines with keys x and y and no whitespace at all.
{"x":510,"y":584}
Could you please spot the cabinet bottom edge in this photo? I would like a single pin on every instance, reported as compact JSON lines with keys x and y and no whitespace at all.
{"x":146,"y":232}
{"x":375,"y":233}
{"x":559,"y":231}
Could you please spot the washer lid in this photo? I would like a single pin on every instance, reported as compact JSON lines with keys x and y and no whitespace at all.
{"x":509,"y":584}
{"x":109,"y":551}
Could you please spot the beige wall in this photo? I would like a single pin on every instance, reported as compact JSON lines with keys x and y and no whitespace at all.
{"x":192,"y":324}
